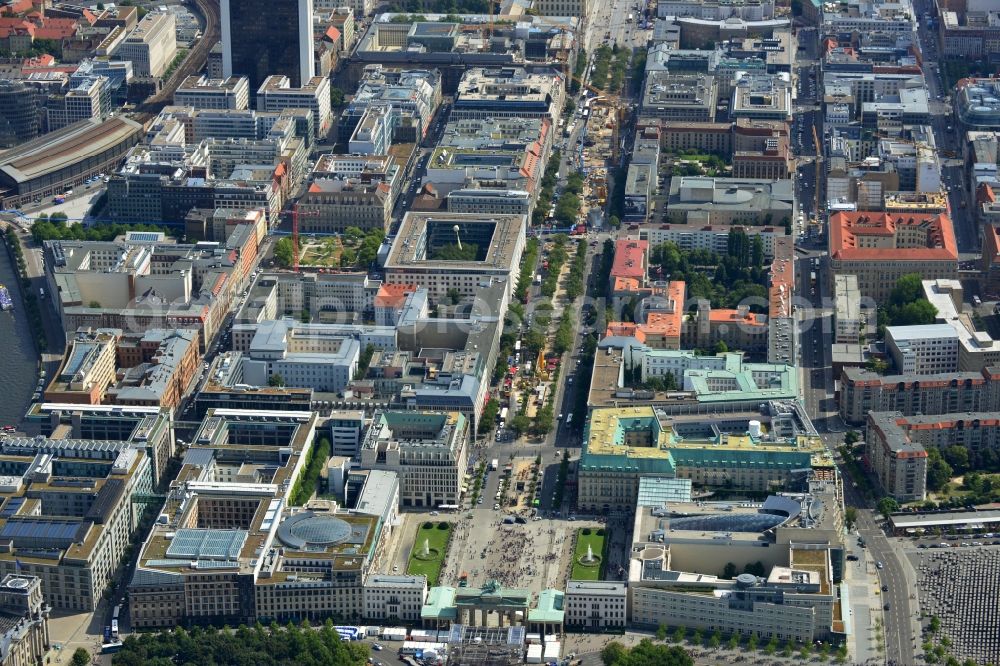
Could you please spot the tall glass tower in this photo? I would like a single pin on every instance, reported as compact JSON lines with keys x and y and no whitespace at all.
{"x":265,"y":37}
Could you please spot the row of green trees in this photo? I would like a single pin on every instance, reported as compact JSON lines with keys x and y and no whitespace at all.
{"x":557,"y":257}
{"x":529,"y":259}
{"x":547,"y":190}
{"x":573,"y":285}
{"x":55,"y":227}
{"x":305,"y":485}
{"x":291,"y":645}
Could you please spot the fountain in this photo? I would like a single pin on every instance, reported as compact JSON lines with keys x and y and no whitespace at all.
{"x":589,"y":557}
{"x":427,"y":548}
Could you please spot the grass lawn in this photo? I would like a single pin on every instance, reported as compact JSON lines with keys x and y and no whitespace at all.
{"x":437,"y":542}
{"x":595,"y":539}
{"x":325,"y":253}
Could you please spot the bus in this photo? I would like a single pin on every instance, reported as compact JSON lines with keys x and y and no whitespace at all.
{"x":629,"y":19}
{"x":503,"y":414}
{"x":114,"y":622}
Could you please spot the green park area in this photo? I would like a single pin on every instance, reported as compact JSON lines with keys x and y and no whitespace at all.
{"x":429,"y":549}
{"x":588,"y":557}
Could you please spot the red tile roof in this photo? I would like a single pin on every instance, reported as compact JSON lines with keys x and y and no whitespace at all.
{"x":848,"y":228}
{"x":393,"y":295}
{"x":630,"y":259}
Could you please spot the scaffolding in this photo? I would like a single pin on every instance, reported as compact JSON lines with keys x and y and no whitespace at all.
{"x":486,"y":646}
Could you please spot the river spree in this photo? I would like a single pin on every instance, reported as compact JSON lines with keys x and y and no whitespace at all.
{"x":18,"y":359}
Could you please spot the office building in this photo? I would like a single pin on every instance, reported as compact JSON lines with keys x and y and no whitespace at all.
{"x":427,"y":450}
{"x":350,"y":191}
{"x":962,"y":349}
{"x":373,"y":135}
{"x":394,"y":598}
{"x":727,"y":388}
{"x":88,"y":368}
{"x":677,"y":573}
{"x":346,"y":431}
{"x":759,"y":96}
{"x":750,"y":10}
{"x":262,"y":38}
{"x":509,"y":92}
{"x":414,"y":93}
{"x":316,"y":356}
{"x":142,"y":281}
{"x":20,"y":113}
{"x":460,"y":251}
{"x":328,"y":297}
{"x":229,"y":513}
{"x":485,"y":201}
{"x":744,"y":201}
{"x":89,"y":98}
{"x":679,"y":97}
{"x":880,"y":248}
{"x":850,"y":320}
{"x":277,"y":93}
{"x":447,"y":43}
{"x":70,"y":513}
{"x":623,"y":445}
{"x":202,"y":92}
{"x":225,"y":388}
{"x":151,"y":46}
{"x":596,"y":605}
{"x":578,"y":8}
{"x":24,"y":638}
{"x":923,"y":350}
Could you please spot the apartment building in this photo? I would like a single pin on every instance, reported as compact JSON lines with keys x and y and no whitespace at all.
{"x":899,"y":462}
{"x":152,"y":45}
{"x":714,"y":238}
{"x":863,"y":391}
{"x":427,"y":450}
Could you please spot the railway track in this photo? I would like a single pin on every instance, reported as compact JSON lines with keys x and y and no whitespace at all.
{"x":194,"y":62}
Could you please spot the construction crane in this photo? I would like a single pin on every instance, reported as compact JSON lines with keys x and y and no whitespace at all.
{"x":295,"y":214}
